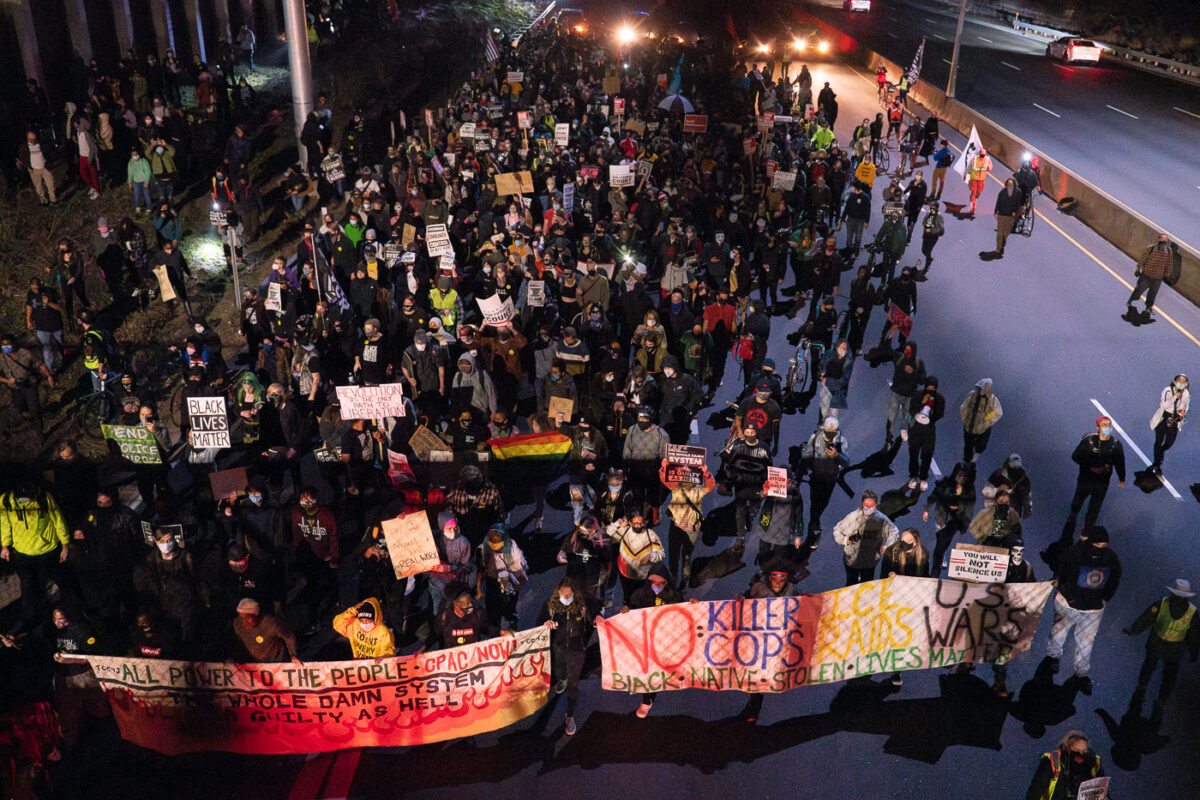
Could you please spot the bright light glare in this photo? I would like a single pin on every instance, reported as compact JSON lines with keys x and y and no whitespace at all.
{"x":210,"y":250}
{"x":650,"y":35}
{"x":1027,"y":156}
{"x":626,"y":35}
{"x":799,"y":44}
{"x":579,"y":29}
{"x":762,"y":48}
{"x":823,"y":47}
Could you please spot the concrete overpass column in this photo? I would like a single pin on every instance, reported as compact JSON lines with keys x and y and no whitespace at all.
{"x":123,"y":19}
{"x":77,"y":26}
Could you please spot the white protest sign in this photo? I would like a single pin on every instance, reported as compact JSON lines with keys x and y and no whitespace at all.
{"x":777,"y":481}
{"x":785,"y":181}
{"x":274,"y":297}
{"x":208,"y":422}
{"x":973,"y":562}
{"x":371,"y":402}
{"x":562,"y":133}
{"x":516,"y":77}
{"x":467,"y":131}
{"x":1093,"y":789}
{"x":494,"y":310}
{"x":569,"y":198}
{"x":410,"y":543}
{"x":535,"y":294}
{"x":523,"y":121}
{"x":620,"y":175}
{"x":437,"y":240}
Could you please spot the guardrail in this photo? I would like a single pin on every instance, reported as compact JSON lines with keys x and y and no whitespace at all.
{"x":1039,"y":30}
{"x":1137,"y":58}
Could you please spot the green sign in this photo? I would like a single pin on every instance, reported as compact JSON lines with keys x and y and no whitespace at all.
{"x":136,"y":443}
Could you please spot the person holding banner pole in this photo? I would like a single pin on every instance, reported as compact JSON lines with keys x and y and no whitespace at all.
{"x":655,"y":591}
{"x":570,"y":616}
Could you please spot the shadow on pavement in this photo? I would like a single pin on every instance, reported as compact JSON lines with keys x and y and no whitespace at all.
{"x":1133,"y":736}
{"x":1042,"y":703}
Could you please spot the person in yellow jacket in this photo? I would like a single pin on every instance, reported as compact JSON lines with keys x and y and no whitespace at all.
{"x":33,"y":538}
{"x":1174,"y":630}
{"x":369,"y":638}
{"x":1060,"y":771}
{"x":865,"y":173}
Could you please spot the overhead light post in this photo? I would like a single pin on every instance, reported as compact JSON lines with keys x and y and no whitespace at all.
{"x":953,"y":82}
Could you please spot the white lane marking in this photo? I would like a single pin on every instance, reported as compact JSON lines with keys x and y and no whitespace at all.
{"x":1010,"y":66}
{"x":1189,"y":113}
{"x":939,"y":36}
{"x":894,"y":36}
{"x":1132,"y":444}
{"x":948,"y":61}
{"x":989,"y":41}
{"x":933,"y":467}
{"x":1119,"y":111}
{"x":1048,"y":111}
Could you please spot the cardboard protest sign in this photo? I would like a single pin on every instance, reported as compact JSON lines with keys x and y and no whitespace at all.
{"x":620,"y":175}
{"x":274,"y":297}
{"x":371,"y":402}
{"x":410,"y":543}
{"x":695,"y":123}
{"x":637,"y":127}
{"x":227,"y":481}
{"x":424,"y":441}
{"x":569,"y":198}
{"x":516,"y":76}
{"x":777,"y":644}
{"x":523,"y":120}
{"x":777,"y":482}
{"x":784,"y":181}
{"x":535,"y":294}
{"x":408,"y":234}
{"x":974,"y":562}
{"x":437,"y":240}
{"x":561,"y":408}
{"x":494,"y":310}
{"x":610,"y":85}
{"x":176,"y":707}
{"x":686,"y":464}
{"x":618,"y":106}
{"x":467,"y":131}
{"x":136,"y":442}
{"x":208,"y":422}
{"x":562,"y":133}
{"x":165,"y":290}
{"x":514,"y":183}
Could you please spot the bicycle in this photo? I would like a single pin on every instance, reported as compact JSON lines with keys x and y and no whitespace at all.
{"x":801,"y":366}
{"x":886,"y":94}
{"x":1025,"y":218}
{"x":99,"y":408}
{"x":879,"y":155}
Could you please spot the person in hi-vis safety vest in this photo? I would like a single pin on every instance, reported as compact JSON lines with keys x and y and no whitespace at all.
{"x":1060,"y":771}
{"x":1173,"y":630}
{"x":361,"y":624}
{"x":978,"y":168}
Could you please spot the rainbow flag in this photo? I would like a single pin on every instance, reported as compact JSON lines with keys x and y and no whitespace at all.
{"x":532,"y":458}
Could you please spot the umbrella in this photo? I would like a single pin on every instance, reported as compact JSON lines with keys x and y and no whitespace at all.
{"x":677,"y":103}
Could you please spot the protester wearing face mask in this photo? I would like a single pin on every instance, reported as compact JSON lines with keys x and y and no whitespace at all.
{"x":1155,"y":264}
{"x":246,"y":575}
{"x":77,"y":693}
{"x":460,"y":621}
{"x":1098,"y":455}
{"x":362,"y":624}
{"x":1088,"y":576}
{"x":167,"y":577}
{"x":953,"y":504}
{"x":315,"y":543}
{"x":925,"y":408}
{"x":744,"y":462}
{"x":1061,"y":771}
{"x":34,"y":539}
{"x":569,"y":615}
{"x":657,"y":590}
{"x":638,"y":549}
{"x":1168,"y":418}
{"x":864,"y":535}
{"x":502,"y":574}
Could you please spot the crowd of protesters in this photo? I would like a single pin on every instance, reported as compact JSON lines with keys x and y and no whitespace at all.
{"x":627,"y":305}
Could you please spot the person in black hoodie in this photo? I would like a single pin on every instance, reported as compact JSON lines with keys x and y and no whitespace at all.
{"x":570,"y":616}
{"x":1088,"y":576}
{"x":900,"y":298}
{"x":908,"y":372}
{"x":925,"y":409}
{"x":1098,"y":455}
{"x":657,"y":590}
{"x":681,"y":399}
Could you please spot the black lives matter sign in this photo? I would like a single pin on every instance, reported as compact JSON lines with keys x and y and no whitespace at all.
{"x":208,"y":421}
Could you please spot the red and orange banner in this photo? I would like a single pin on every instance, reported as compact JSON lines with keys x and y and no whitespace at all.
{"x":777,"y":644}
{"x":185,"y":706}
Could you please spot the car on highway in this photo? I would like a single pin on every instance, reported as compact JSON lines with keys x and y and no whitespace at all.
{"x":1071,"y":50}
{"x":801,"y":42}
{"x":856,"y":5}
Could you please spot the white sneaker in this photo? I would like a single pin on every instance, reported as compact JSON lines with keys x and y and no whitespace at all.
{"x":912,"y":483}
{"x":924,"y":486}
{"x":644,"y":709}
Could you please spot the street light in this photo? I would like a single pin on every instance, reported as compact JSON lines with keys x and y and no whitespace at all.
{"x":626,"y":35}
{"x":952,"y":83}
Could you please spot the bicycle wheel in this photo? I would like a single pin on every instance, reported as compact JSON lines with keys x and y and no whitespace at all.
{"x":1029,"y":218}
{"x":99,"y":409}
{"x":885,"y":161}
{"x":176,"y":406}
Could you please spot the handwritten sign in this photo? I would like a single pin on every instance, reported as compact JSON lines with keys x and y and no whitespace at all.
{"x":424,"y":441}
{"x":371,"y":402}
{"x":686,"y":464}
{"x":562,"y":133}
{"x":974,"y":562}
{"x":561,"y":408}
{"x":514,"y":183}
{"x":208,"y":422}
{"x":777,"y":482}
{"x":410,"y":543}
{"x":165,"y":290}
{"x":535,"y":294}
{"x":437,"y":240}
{"x":784,"y":181}
{"x":137,"y":443}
